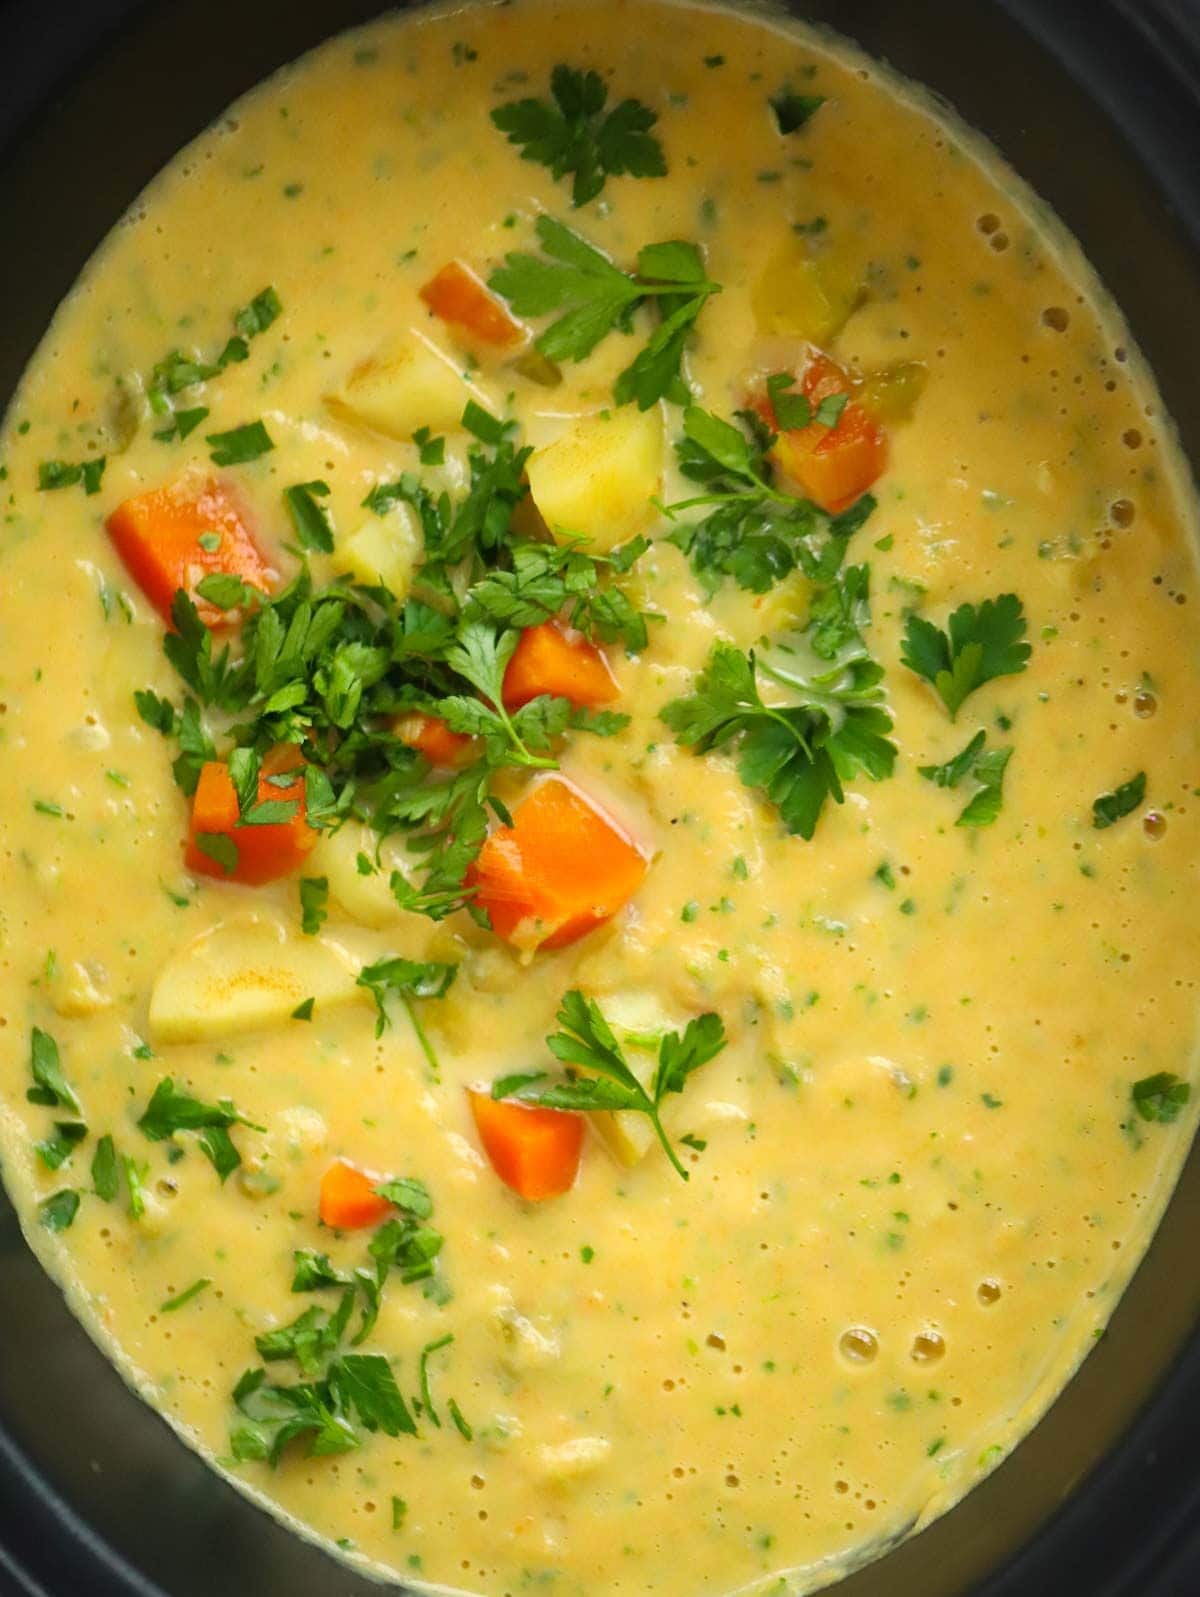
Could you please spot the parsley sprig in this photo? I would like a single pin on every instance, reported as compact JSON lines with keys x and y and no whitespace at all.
{"x":980,"y":642}
{"x":595,"y":298}
{"x":827,"y":720}
{"x":753,"y":532}
{"x":574,"y":135}
{"x":587,"y":1042}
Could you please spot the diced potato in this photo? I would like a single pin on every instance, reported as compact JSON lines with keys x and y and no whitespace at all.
{"x":564,"y":1462}
{"x":410,"y":384}
{"x":523,"y":1346}
{"x":243,"y":974}
{"x":77,"y":989}
{"x":367,"y":899}
{"x":891,"y":394}
{"x":806,"y":291}
{"x":384,"y":549}
{"x":596,"y":480}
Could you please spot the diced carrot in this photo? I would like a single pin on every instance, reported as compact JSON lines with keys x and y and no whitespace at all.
{"x":457,"y":296}
{"x":349,"y":1200}
{"x":554,"y":659}
{"x":534,"y":1151}
{"x":833,"y":465}
{"x":263,"y":852}
{"x":430,"y":736}
{"x":560,"y":870}
{"x":158,"y":536}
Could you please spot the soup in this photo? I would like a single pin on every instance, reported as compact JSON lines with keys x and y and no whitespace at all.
{"x":600,"y":779}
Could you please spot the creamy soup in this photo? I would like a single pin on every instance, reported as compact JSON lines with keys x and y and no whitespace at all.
{"x":625,"y":1032}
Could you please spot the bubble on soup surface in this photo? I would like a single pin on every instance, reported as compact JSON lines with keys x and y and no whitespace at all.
{"x":859,"y":1345}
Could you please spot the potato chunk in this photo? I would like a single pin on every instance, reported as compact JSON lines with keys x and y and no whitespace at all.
{"x":384,"y":549}
{"x":807,"y":291}
{"x":365,"y":897}
{"x":411,"y":383}
{"x":245,"y":973}
{"x":596,"y":480}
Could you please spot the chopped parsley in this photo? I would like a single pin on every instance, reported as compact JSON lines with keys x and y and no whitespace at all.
{"x":105,"y":1170}
{"x":1112,"y":807}
{"x":57,"y":1212}
{"x":310,"y":521}
{"x":239,"y":444}
{"x":186,"y":1296}
{"x":981,"y":642}
{"x":572,"y":134}
{"x":170,"y":1111}
{"x":793,"y":111}
{"x":587,"y":1041}
{"x":54,"y":474}
{"x":328,"y":671}
{"x":50,"y":1087}
{"x":836,"y":724}
{"x":754,"y":532}
{"x":985,"y":768}
{"x":314,"y":902}
{"x":1161,"y":1097}
{"x":596,"y":298}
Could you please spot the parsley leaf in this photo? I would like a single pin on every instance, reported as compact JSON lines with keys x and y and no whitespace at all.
{"x":587,"y":1041}
{"x":55,"y":1150}
{"x":309,"y":519}
{"x":1160,"y":1097}
{"x":753,"y":532}
{"x":987,"y":769}
{"x":596,"y":298}
{"x":239,"y":444}
{"x":105,"y":1171}
{"x":57,"y":1212}
{"x":314,"y":900}
{"x":61,"y":474}
{"x":1112,"y":807}
{"x":982,"y":642}
{"x":800,"y":752}
{"x":793,"y":110}
{"x":574,"y":135}
{"x":170,"y":1111}
{"x":50,"y":1087}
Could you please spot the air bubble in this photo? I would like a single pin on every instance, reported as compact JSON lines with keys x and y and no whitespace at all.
{"x":858,"y":1345}
{"x":1154,"y":824}
{"x":928,"y":1347}
{"x":988,"y":1292}
{"x":1122,"y":512}
{"x":1055,"y":317}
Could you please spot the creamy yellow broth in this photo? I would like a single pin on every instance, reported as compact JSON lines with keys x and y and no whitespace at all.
{"x":921,"y":1133}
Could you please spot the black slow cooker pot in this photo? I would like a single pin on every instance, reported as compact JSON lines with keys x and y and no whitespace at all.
{"x":1097,"y":104}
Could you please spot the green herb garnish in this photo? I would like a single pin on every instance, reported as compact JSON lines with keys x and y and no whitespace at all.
{"x":595,"y":298}
{"x":981,"y":642}
{"x":836,"y":724}
{"x":985,"y":768}
{"x":239,"y":444}
{"x":1112,"y":807}
{"x":574,"y":135}
{"x":753,"y":532}
{"x":587,"y":1041}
